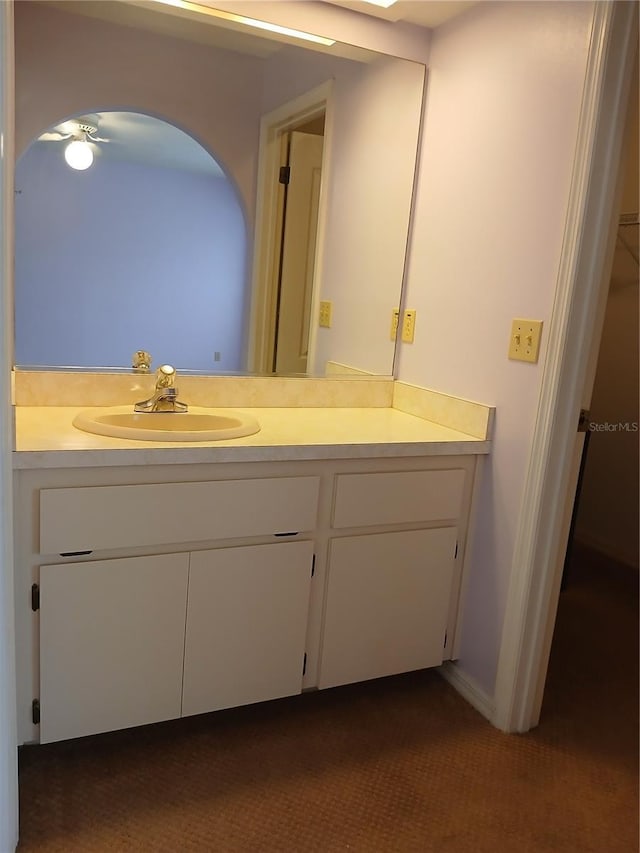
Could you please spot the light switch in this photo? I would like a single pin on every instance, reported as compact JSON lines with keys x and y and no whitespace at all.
{"x":408,"y":325}
{"x":524,"y":344}
{"x":395,"y":319}
{"x":325,"y":314}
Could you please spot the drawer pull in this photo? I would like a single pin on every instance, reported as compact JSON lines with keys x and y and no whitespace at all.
{"x":75,"y":553}
{"x":291,"y":533}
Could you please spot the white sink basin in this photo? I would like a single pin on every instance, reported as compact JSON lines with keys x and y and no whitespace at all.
{"x":198,"y":424}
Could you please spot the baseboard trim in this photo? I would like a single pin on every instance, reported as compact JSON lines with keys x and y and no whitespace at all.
{"x":606,"y":549}
{"x":468,"y":689}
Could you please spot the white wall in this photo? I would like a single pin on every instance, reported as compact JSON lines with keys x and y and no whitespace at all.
{"x":370,"y":155}
{"x":504,"y":93}
{"x":97,"y":253}
{"x":369,"y":189}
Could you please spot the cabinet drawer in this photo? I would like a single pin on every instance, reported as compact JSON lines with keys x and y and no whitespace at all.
{"x":398,"y":497}
{"x":108,"y":517}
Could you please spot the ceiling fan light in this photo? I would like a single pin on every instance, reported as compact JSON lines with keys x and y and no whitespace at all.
{"x":78,"y":154}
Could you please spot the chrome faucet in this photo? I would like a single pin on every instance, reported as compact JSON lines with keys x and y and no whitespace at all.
{"x":165,"y":397}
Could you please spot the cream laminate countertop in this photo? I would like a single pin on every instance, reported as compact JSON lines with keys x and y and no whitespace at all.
{"x":46,"y":438}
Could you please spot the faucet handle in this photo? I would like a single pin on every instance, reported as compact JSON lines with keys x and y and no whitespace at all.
{"x":141,"y":361}
{"x":165,"y":397}
{"x":165,"y":376}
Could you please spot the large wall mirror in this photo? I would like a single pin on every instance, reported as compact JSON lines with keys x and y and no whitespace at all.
{"x":180,"y":237}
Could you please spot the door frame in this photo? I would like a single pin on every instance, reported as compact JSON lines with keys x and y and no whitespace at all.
{"x":8,"y":724}
{"x":269,"y":209}
{"x":574,"y":335}
{"x":299,"y":230}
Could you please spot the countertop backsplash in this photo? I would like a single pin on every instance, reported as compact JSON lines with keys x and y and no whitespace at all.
{"x":80,"y":389}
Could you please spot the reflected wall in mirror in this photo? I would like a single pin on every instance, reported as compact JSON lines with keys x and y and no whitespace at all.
{"x":70,"y":64}
{"x":145,"y":249}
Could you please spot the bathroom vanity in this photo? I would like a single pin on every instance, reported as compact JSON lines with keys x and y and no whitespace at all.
{"x":154,"y":582}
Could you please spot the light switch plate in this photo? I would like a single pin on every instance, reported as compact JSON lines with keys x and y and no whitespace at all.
{"x":408,"y":325}
{"x":524,"y":344}
{"x":325,"y":314}
{"x":395,"y":319}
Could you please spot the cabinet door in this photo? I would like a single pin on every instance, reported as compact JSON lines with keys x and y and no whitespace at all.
{"x":111,"y":644}
{"x":387,"y":604}
{"x":246,"y":625}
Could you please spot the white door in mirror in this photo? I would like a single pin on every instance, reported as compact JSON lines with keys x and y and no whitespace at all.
{"x":198,"y":424}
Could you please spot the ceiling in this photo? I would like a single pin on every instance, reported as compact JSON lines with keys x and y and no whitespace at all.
{"x":169,"y":21}
{"x":137,"y":138}
{"x":424,"y":13}
{"x":189,"y":24}
{"x":140,"y":138}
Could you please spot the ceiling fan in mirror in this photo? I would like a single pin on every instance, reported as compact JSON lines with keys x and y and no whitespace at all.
{"x":79,"y":153}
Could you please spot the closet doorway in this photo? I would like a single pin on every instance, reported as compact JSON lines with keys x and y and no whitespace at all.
{"x":289,"y":217}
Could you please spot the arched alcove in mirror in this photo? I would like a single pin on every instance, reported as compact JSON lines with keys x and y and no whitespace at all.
{"x":143,"y":248}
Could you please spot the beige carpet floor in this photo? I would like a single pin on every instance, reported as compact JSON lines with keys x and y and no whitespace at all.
{"x":401,"y":765}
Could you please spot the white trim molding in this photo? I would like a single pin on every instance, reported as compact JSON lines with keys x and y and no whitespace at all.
{"x":604,"y":548}
{"x":551,"y":478}
{"x":8,"y":728}
{"x":468,"y":689}
{"x":269,"y":217}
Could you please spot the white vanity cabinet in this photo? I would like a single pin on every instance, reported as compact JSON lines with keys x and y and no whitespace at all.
{"x":137,"y":640}
{"x":111,"y":644}
{"x":246,"y":625}
{"x":388,"y":594}
{"x":386,"y":604}
{"x":149,"y":592}
{"x":130,"y":640}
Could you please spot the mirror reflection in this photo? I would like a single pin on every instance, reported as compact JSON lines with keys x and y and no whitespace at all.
{"x":155,"y":250}
{"x":144,"y":248}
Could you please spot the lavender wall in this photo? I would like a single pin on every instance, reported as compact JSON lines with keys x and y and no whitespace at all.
{"x":503,"y":104}
{"x":370,"y":150}
{"x":112,"y":242}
